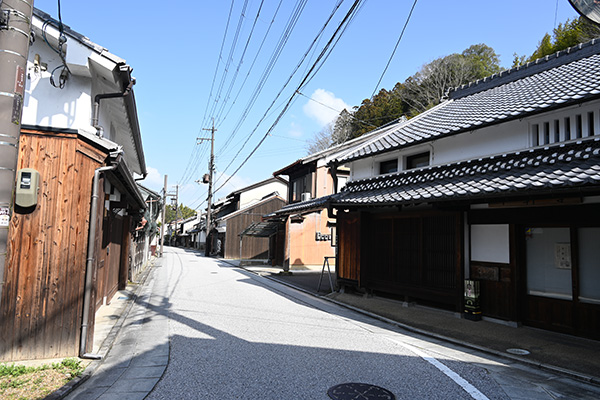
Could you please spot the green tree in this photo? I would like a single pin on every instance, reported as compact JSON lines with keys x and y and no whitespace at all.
{"x":182,"y":212}
{"x":482,"y":61}
{"x":384,"y":107}
{"x":566,"y":35}
{"x":431,"y":83}
{"x":332,"y":134}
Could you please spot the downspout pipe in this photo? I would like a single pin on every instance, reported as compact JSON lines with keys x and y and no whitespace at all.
{"x":87,"y":296}
{"x":103,"y":96}
{"x":333,"y":167}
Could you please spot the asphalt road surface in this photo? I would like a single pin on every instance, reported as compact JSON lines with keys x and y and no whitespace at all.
{"x":236,"y":335}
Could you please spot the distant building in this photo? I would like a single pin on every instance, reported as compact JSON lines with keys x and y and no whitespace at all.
{"x":233,"y":214}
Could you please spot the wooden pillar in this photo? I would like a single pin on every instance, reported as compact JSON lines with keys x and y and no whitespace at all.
{"x":125,"y":243}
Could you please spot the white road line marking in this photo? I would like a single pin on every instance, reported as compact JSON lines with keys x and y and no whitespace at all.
{"x":460,"y":381}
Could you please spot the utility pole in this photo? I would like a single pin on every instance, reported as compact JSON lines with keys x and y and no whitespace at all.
{"x":162,"y":224}
{"x":211,"y":167}
{"x":15,"y":34}
{"x":164,"y":215}
{"x":176,"y":210}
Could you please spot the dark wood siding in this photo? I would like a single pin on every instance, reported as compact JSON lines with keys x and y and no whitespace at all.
{"x":414,"y":255}
{"x":42,"y":299}
{"x":109,"y":255}
{"x":252,"y":247}
{"x":349,"y":242}
{"x":498,"y":289}
{"x":503,"y":286}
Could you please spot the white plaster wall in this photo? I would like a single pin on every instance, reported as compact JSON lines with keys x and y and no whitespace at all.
{"x":256,"y":194}
{"x":362,"y":168}
{"x":508,"y":137}
{"x":71,"y":106}
{"x":189,"y":225}
{"x":511,"y":136}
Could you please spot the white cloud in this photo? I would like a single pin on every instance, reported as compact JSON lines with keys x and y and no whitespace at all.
{"x":154,"y":180}
{"x":324,"y":106}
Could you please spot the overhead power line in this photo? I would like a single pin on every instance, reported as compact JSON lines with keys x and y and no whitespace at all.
{"x":292,"y":21}
{"x":285,"y":85}
{"x":218,"y":63}
{"x":395,"y":47}
{"x":338,"y":111}
{"x":326,"y":51}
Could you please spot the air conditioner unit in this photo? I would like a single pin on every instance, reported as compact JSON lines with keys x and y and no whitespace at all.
{"x":305,"y":196}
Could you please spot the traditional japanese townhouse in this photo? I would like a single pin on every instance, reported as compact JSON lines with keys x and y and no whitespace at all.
{"x":184,"y":236}
{"x":499,"y":184}
{"x":241,"y":208}
{"x":69,"y":236}
{"x":312,"y":180}
{"x":146,"y":235}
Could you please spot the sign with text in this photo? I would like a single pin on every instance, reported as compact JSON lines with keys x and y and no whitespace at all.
{"x":4,"y":216}
{"x":322,"y":237}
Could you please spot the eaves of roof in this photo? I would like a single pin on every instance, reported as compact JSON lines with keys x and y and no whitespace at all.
{"x":149,"y":192}
{"x":304,"y":206}
{"x":126,"y":183}
{"x":251,"y":206}
{"x":559,"y":169}
{"x":258,"y":184}
{"x":121,"y":73}
{"x":291,"y":168}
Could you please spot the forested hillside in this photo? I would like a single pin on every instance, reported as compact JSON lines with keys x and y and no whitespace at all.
{"x":428,"y":86}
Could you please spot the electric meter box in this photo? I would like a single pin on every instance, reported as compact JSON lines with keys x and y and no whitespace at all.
{"x":28,"y":181}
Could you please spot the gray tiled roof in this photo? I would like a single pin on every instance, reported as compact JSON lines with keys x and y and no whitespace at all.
{"x":567,"y":77}
{"x":558,"y":168}
{"x":304,"y":206}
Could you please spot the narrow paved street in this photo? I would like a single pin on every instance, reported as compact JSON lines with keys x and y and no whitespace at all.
{"x":237,"y":335}
{"x":204,"y":329}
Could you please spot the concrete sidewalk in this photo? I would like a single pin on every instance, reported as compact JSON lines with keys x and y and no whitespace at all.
{"x":137,"y":357}
{"x":568,"y":355}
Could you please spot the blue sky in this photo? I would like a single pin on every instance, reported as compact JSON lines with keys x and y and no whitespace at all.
{"x":174,"y":49}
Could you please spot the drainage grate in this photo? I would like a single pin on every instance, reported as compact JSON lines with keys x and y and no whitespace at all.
{"x":519,"y":352}
{"x":359,"y":391}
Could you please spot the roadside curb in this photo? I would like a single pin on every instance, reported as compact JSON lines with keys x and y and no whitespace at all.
{"x":110,"y":338}
{"x":543,"y":366}
{"x":522,"y":360}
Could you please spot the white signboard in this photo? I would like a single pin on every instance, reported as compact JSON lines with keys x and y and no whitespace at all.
{"x":4,"y":216}
{"x":490,"y":243}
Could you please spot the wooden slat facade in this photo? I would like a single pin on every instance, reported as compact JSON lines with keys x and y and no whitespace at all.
{"x":42,"y":299}
{"x":412,"y":255}
{"x":349,"y":239}
{"x":420,"y":256}
{"x":252,"y":247}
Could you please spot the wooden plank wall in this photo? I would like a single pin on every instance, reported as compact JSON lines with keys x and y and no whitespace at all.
{"x":349,"y":242}
{"x":41,"y":305}
{"x":253,"y":248}
{"x":416,"y":255}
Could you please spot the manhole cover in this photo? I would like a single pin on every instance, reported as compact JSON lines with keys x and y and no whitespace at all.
{"x":359,"y":391}
{"x":518,"y":352}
